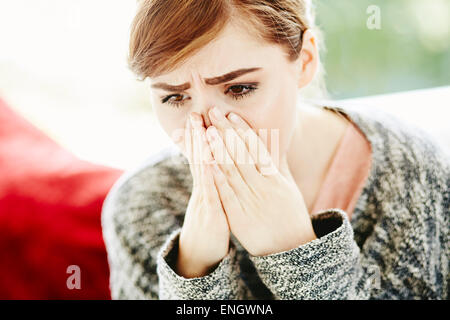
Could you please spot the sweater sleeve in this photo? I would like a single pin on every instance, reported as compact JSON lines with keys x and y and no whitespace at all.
{"x":223,"y":283}
{"x":329,"y":267}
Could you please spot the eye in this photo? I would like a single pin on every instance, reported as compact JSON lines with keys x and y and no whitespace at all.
{"x":177,"y":102}
{"x":239,"y":91}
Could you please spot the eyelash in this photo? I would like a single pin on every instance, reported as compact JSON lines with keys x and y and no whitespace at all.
{"x":250,"y":89}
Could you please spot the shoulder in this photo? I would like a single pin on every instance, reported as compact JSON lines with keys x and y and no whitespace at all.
{"x":147,"y":203}
{"x":142,"y":208}
{"x":402,"y":219}
{"x":400,"y":149}
{"x":409,"y":167}
{"x":161,"y":177}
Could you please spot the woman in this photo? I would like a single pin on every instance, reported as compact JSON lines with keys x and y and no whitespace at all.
{"x":266,"y":195}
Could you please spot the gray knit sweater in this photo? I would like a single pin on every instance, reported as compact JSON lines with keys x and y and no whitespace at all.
{"x":396,"y":245}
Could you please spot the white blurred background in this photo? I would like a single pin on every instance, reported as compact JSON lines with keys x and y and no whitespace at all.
{"x":63,"y":66}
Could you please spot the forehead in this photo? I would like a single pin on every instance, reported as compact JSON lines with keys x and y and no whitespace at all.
{"x":234,"y":48}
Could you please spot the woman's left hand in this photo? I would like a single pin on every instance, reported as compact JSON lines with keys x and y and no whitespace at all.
{"x":266,"y":212}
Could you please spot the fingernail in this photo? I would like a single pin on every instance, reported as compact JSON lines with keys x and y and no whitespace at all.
{"x":216,"y":113}
{"x":211,"y":133}
{"x":194,"y":119}
{"x":233,"y":118}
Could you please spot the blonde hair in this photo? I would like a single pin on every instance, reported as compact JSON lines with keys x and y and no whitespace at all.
{"x":164,"y":33}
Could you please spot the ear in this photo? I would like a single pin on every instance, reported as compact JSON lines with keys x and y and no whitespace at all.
{"x":308,"y":59}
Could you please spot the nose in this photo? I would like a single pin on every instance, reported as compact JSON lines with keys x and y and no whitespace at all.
{"x":206,"y":98}
{"x":206,"y":120}
{"x":203,"y":107}
{"x":204,"y":112}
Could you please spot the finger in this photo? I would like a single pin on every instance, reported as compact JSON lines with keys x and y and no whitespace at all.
{"x":209,"y":189}
{"x":254,"y":142}
{"x":210,"y":194}
{"x":224,"y":160}
{"x":196,"y":155}
{"x":230,"y":202}
{"x":235,"y":146}
{"x":206,"y":154}
{"x":246,"y":133}
{"x":188,"y":144}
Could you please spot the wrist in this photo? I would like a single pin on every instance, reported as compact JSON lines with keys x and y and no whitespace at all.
{"x":290,"y":241}
{"x":304,"y":234}
{"x":192,"y":269}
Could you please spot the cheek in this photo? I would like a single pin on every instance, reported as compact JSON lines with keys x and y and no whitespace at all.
{"x":277,"y":118}
{"x":173,"y":123}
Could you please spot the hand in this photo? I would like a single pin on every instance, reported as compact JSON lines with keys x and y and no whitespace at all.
{"x":205,"y":235}
{"x":266,"y":213}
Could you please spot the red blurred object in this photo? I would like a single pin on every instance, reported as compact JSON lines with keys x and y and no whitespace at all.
{"x":50,"y":209}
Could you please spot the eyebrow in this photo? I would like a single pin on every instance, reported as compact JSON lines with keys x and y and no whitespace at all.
{"x":211,"y":81}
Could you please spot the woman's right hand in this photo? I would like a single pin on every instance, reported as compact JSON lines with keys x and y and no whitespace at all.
{"x":205,"y":235}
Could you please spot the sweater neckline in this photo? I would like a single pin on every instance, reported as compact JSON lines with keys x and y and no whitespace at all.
{"x":376,"y":150}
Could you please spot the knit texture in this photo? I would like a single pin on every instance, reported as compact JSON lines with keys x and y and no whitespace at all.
{"x":396,"y":245}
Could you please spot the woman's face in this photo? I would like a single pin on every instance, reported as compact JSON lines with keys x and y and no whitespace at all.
{"x":265,"y":97}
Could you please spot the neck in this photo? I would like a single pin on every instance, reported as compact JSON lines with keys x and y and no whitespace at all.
{"x":312,"y":147}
